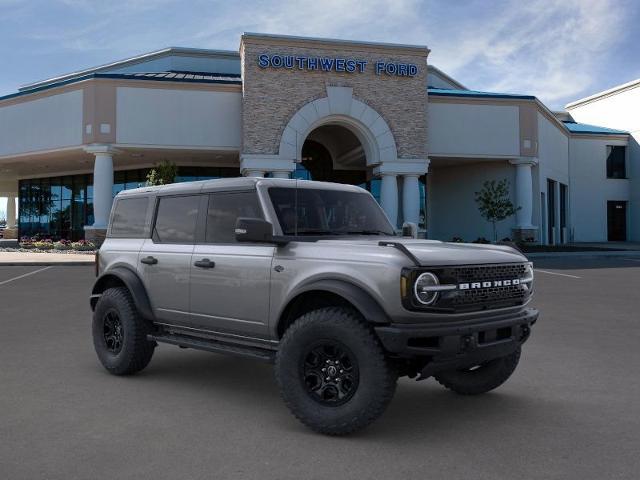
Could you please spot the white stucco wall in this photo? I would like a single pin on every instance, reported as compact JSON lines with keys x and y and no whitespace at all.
{"x":463,"y":129}
{"x":620,"y":110}
{"x":190,"y":118}
{"x":41,"y":124}
{"x":451,"y":200}
{"x":590,"y":189}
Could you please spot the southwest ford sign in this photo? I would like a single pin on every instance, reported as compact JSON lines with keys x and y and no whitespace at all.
{"x":335,"y":64}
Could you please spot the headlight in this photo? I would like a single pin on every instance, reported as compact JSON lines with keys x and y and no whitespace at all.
{"x":425,"y":288}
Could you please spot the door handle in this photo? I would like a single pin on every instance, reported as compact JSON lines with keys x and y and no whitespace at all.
{"x":204,"y":263}
{"x":149,"y":260}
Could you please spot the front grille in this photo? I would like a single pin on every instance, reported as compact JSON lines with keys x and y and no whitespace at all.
{"x":482,"y":298}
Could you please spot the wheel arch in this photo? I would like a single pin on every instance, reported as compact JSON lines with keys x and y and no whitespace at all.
{"x":123,"y":277}
{"x":328,"y":292}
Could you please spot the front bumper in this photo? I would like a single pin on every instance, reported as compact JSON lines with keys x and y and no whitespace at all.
{"x":458,"y":345}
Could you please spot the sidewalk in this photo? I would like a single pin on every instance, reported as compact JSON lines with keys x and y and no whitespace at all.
{"x":44,"y":259}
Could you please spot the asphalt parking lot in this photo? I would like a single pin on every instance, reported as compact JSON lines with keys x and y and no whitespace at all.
{"x":571,"y":410}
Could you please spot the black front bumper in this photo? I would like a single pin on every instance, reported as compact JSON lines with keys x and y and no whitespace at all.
{"x":448,"y":346}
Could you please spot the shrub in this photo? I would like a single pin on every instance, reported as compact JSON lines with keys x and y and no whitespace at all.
{"x":43,"y":244}
{"x":62,"y":245}
{"x":481,"y":240}
{"x":457,"y":240}
{"x":83,"y":245}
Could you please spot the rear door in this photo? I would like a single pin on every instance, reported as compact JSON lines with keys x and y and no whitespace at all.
{"x":165,"y":258}
{"x":230,"y":280}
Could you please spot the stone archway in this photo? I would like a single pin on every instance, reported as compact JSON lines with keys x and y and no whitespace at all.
{"x":340,"y":108}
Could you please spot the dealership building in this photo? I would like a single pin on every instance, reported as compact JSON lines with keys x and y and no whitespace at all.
{"x":371,"y":114}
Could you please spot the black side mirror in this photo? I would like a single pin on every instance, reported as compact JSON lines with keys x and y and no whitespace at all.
{"x":254,"y":230}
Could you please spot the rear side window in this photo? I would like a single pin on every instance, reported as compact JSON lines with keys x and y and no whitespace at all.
{"x":224,"y":210}
{"x":176,"y":219}
{"x":129,"y":217}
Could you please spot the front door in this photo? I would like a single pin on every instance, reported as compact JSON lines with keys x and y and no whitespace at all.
{"x":165,"y":259}
{"x":617,"y":221}
{"x":229,"y":280}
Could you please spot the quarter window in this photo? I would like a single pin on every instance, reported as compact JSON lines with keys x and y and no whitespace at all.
{"x":129,"y":217}
{"x":616,"y":162}
{"x":176,"y":219}
{"x":224,"y":210}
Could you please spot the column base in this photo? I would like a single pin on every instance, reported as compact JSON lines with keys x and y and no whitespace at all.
{"x":95,"y":235}
{"x":525,"y":234}
{"x":10,"y":233}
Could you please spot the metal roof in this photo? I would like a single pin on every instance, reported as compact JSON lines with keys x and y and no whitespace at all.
{"x":444,"y":92}
{"x":575,"y":127}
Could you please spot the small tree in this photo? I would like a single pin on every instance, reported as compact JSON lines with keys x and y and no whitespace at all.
{"x":494,"y":203}
{"x":162,"y":174}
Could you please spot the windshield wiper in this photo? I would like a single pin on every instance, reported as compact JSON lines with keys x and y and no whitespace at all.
{"x":369,"y":232}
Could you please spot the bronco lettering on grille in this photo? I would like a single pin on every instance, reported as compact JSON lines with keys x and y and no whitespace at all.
{"x":491,"y":284}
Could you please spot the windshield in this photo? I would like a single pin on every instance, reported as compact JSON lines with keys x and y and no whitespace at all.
{"x":328,"y":212}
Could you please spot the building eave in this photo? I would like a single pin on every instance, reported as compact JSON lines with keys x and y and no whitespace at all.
{"x":131,"y":61}
{"x":603,"y":94}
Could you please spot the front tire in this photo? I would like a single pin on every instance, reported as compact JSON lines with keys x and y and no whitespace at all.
{"x":480,"y":379}
{"x":120,"y":333}
{"x":332,"y":372}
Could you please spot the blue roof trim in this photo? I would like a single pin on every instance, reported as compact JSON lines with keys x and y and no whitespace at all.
{"x":227,"y":79}
{"x":444,"y":92}
{"x":575,"y":127}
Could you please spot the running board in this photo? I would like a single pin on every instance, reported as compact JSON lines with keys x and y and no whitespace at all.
{"x":185,"y":341}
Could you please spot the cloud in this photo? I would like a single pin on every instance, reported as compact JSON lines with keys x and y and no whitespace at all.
{"x":558,"y":50}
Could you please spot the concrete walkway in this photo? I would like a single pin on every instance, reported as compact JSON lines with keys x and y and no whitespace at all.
{"x":32,"y":258}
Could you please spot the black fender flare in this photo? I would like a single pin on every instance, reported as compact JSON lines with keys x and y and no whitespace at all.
{"x":357,"y":296}
{"x":133,"y":283}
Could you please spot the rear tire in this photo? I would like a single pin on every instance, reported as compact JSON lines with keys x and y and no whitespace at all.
{"x":120,"y":333}
{"x":332,"y":372}
{"x":481,"y":379}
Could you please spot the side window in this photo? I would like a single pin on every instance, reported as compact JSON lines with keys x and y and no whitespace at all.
{"x":129,"y":217}
{"x":176,"y":219}
{"x":224,"y":210}
{"x":616,"y":161}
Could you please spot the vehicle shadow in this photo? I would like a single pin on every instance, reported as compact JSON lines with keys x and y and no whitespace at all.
{"x":420,"y":411}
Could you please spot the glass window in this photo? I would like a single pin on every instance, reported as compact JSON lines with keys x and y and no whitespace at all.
{"x":616,"y":162}
{"x":129,"y":217}
{"x":224,"y":210}
{"x":328,"y":212}
{"x":176,"y":219}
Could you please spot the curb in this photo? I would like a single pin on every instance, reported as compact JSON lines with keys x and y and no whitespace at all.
{"x":613,"y":253}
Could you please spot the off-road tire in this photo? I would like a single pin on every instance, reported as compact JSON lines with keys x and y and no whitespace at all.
{"x":377,"y":378}
{"x":482,"y":379}
{"x":136,"y":351}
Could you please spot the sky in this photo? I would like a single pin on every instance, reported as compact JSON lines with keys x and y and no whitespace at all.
{"x":558,"y":50}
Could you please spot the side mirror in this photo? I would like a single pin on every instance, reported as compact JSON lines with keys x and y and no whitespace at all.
{"x":254,"y":230}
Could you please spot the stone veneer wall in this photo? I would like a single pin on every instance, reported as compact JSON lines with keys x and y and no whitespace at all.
{"x":271,"y":96}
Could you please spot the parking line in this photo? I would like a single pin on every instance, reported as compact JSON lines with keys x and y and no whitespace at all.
{"x":25,"y":275}
{"x":556,"y":273}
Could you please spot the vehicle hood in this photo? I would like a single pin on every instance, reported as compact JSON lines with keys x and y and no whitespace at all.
{"x":436,"y":253}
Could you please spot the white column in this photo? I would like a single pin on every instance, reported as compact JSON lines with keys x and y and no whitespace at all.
{"x":102,"y":184}
{"x":11,"y":211}
{"x":280,"y":174}
{"x":524,"y":192}
{"x":411,"y":198}
{"x":389,"y":197}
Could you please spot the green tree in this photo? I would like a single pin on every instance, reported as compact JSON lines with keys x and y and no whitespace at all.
{"x":162,"y":174}
{"x":494,"y":203}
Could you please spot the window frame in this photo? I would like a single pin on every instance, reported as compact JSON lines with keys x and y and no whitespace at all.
{"x":208,"y":196}
{"x":198,"y":229}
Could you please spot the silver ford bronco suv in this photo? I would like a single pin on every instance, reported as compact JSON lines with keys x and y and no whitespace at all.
{"x":311,"y":277}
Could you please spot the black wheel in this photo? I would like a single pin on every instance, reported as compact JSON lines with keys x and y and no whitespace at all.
{"x":332,"y":372}
{"x":120,"y":333}
{"x":480,"y":378}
